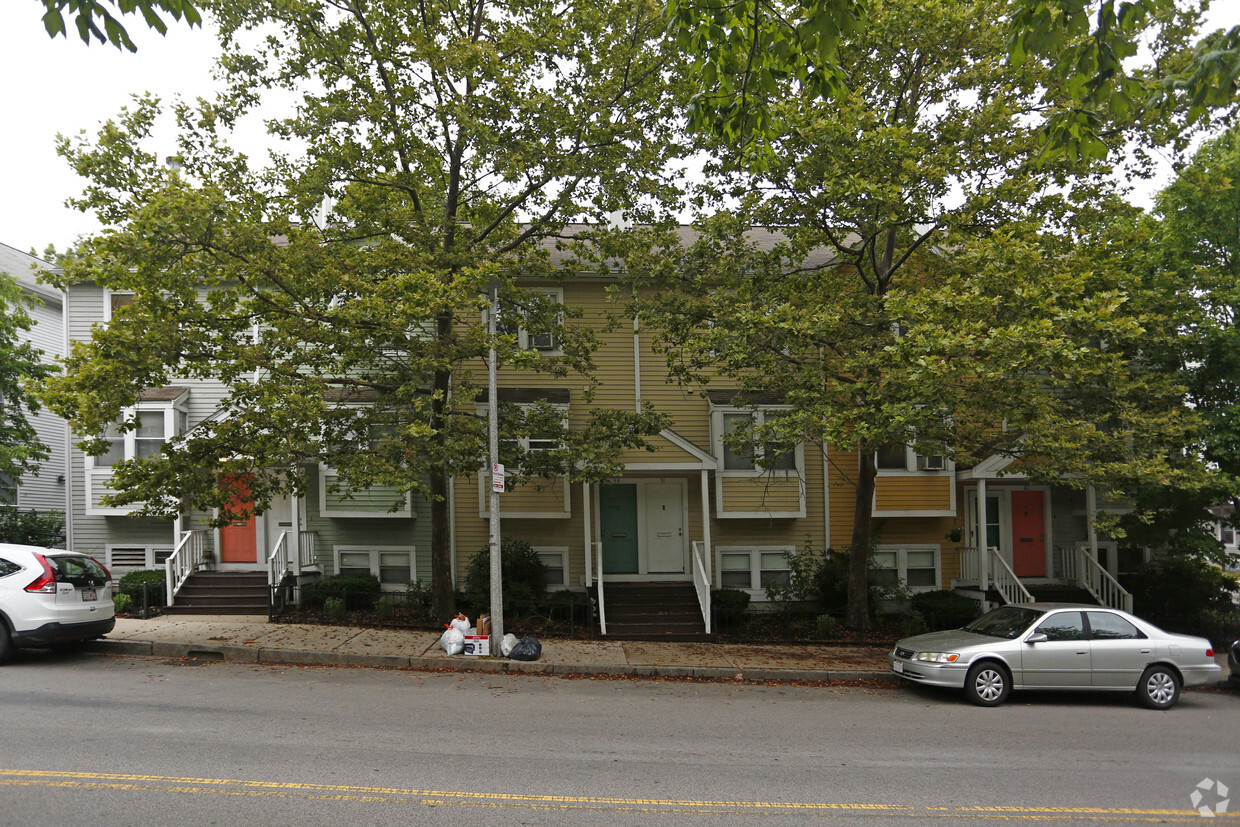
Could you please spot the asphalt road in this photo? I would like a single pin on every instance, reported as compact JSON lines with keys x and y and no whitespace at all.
{"x":124,"y":740}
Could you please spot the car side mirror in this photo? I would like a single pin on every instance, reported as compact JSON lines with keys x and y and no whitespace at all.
{"x":1038,"y":638}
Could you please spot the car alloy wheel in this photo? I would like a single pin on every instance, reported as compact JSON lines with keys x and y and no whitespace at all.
{"x":987,"y":684}
{"x":1159,"y":688}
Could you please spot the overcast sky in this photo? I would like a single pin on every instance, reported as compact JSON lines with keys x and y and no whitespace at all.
{"x":63,"y":86}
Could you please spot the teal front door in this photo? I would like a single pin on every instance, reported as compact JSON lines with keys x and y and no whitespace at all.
{"x":617,"y":505}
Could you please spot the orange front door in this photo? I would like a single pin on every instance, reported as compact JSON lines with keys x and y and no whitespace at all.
{"x":238,"y":539}
{"x":1028,"y":534}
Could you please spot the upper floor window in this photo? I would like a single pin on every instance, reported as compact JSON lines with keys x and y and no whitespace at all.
{"x":114,"y":300}
{"x":898,"y":456}
{"x":515,"y":320}
{"x":740,"y":451}
{"x":155,"y":423}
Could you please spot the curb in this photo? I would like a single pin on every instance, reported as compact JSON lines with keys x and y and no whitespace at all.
{"x":241,"y":654}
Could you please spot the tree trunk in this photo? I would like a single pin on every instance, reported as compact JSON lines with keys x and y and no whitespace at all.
{"x":443,"y":592}
{"x":858,"y":618}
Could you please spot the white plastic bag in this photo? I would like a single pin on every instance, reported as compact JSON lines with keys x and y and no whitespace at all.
{"x":453,"y":641}
{"x":460,"y":622}
{"x":505,"y":645}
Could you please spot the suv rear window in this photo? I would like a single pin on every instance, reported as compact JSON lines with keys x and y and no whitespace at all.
{"x":80,"y":571}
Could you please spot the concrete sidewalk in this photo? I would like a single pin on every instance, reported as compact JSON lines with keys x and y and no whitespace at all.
{"x":253,"y":639}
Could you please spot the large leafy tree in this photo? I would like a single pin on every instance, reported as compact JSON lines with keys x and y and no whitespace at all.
{"x":745,"y":50}
{"x":1195,"y":260}
{"x":438,"y":153}
{"x":21,"y":363}
{"x":939,"y":286}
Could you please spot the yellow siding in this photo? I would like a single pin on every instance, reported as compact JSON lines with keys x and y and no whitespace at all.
{"x":544,"y":496}
{"x":761,"y":494}
{"x":913,"y":493}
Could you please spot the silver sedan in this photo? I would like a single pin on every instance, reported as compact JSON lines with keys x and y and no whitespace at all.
{"x":1058,"y":646}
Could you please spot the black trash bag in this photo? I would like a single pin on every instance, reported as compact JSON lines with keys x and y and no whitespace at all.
{"x":528,"y":648}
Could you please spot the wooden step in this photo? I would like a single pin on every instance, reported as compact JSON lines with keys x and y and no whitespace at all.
{"x":223,"y":593}
{"x":653,"y":611}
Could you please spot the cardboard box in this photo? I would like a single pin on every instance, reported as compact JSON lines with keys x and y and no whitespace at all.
{"x":477,"y":645}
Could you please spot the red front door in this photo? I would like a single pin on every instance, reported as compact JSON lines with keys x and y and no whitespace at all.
{"x":238,"y":539}
{"x":1028,"y":534}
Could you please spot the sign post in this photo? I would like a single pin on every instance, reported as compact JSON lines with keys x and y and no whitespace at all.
{"x":497,"y":479}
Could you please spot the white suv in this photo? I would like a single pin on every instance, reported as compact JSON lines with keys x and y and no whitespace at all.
{"x":51,"y":597}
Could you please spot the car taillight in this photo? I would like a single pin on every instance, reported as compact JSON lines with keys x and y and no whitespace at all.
{"x":46,"y":582}
{"x":1210,"y":653}
{"x":106,"y":573}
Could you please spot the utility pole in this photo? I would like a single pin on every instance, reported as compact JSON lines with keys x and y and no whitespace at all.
{"x":497,"y":477}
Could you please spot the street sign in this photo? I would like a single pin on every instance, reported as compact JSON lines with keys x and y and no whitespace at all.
{"x":497,"y":478}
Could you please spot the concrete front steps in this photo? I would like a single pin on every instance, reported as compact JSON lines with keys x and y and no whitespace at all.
{"x":653,"y":611}
{"x":222,"y":593}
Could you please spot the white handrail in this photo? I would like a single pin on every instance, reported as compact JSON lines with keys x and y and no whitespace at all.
{"x":598,"y":576}
{"x":1080,"y":567}
{"x":701,"y":580}
{"x":183,"y":562}
{"x":1006,"y":582}
{"x":307,"y":554}
{"x":970,"y":566}
{"x":277,"y":561}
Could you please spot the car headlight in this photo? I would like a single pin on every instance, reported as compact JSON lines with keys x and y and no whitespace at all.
{"x":938,"y":657}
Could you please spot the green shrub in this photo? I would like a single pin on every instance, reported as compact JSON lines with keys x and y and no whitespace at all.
{"x":827,"y":625}
{"x":32,"y":528}
{"x":333,"y":607}
{"x":155,"y":580}
{"x":1179,"y":593}
{"x":418,"y":596}
{"x":358,"y":591}
{"x":122,"y":602}
{"x":385,"y":609}
{"x":730,"y":604}
{"x":943,"y":609}
{"x":523,"y":571}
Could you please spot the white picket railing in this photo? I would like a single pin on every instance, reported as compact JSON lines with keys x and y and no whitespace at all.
{"x":1005,"y":580}
{"x":184,"y":561}
{"x":701,"y":579}
{"x":278,"y":563}
{"x":999,"y":575}
{"x":598,"y":579}
{"x":1077,"y":564}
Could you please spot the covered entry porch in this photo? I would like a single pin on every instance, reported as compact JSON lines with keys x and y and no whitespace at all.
{"x":647,"y":541}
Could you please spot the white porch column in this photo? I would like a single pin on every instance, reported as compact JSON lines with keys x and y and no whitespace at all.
{"x":294,"y":518}
{"x":1091,"y":511}
{"x":588,"y":514}
{"x":710,"y":555}
{"x":983,"y":553}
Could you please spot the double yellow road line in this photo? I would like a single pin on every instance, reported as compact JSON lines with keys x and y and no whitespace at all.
{"x":444,"y":798}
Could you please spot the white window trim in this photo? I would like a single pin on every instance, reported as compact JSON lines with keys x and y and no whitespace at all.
{"x":325,"y":471}
{"x":717,"y":415}
{"x":524,"y":340}
{"x":98,"y":475}
{"x":562,"y":551}
{"x":902,"y":549}
{"x":374,"y":552}
{"x":757,"y":593}
{"x":108,"y":293}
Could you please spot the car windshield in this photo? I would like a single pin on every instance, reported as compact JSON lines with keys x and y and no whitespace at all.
{"x":1006,"y":622}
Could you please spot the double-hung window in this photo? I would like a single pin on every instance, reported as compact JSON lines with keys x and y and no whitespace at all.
{"x":740,"y":452}
{"x":915,"y":566}
{"x":753,"y":568}
{"x":535,"y":329}
{"x":393,"y":565}
{"x":159,"y":416}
